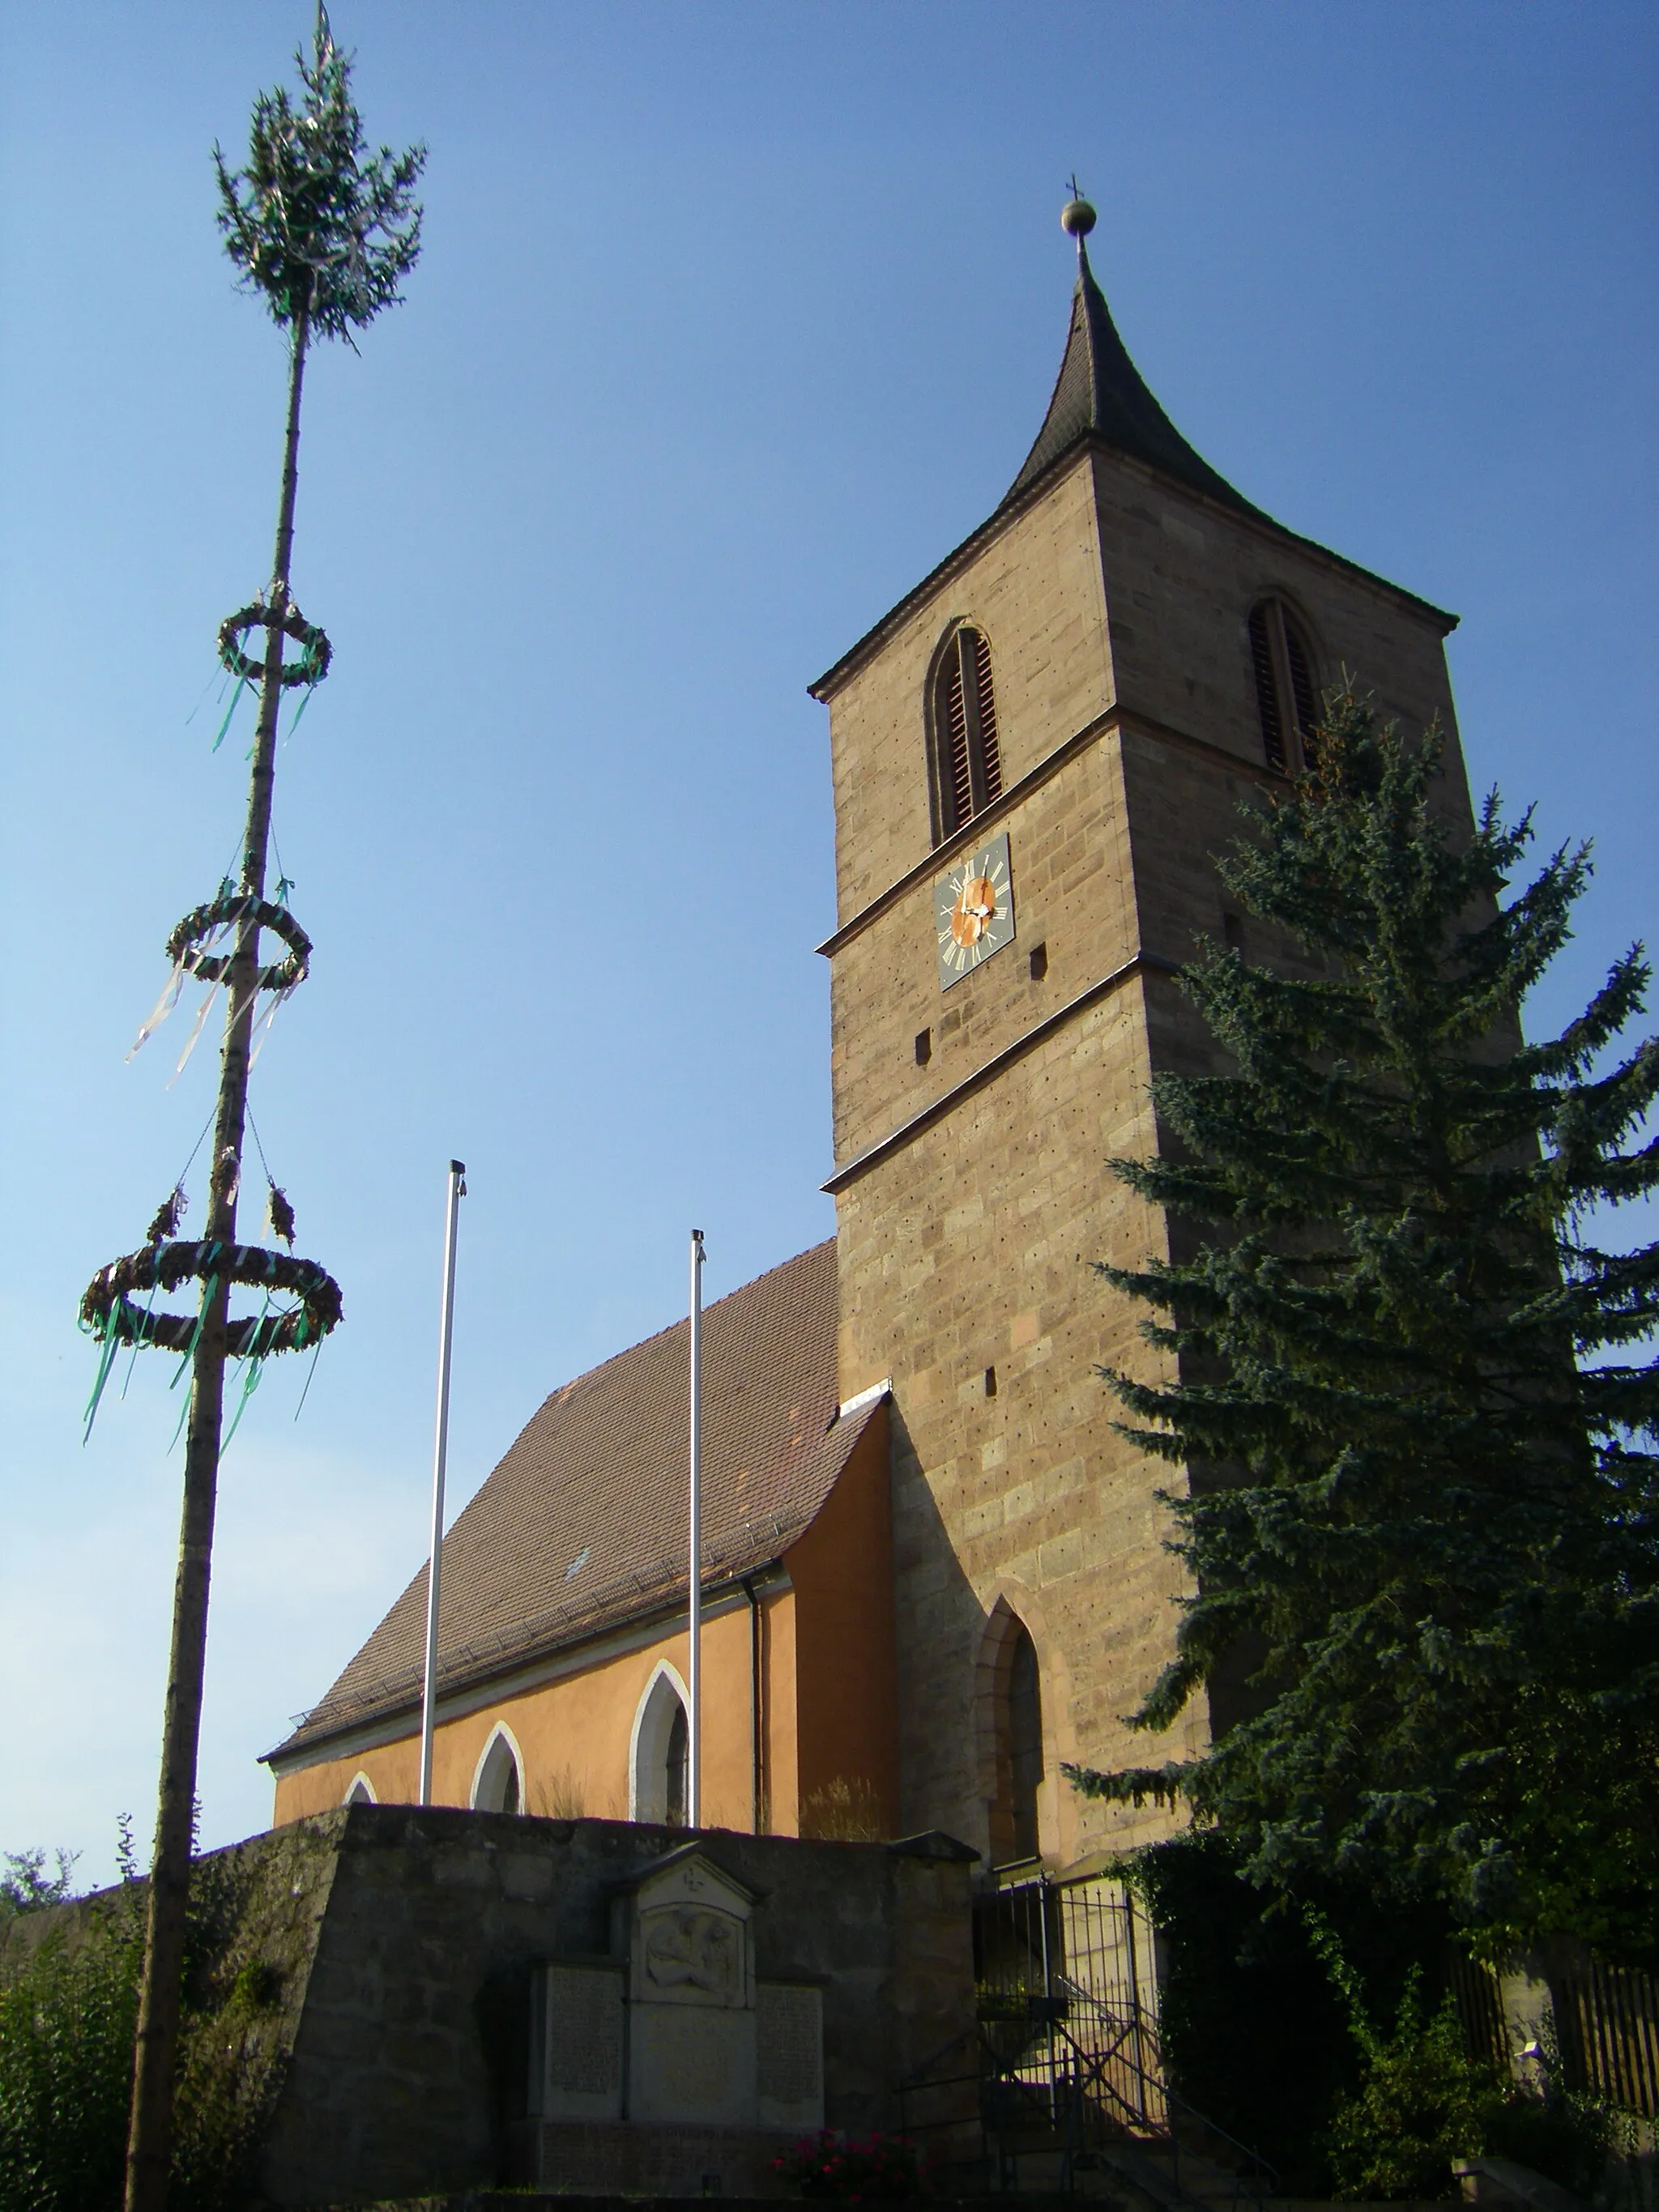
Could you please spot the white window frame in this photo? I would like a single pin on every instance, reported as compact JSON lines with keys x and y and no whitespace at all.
{"x":647,"y":1746}
{"x":500,"y":1748}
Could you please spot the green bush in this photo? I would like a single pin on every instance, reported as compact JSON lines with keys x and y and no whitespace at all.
{"x":67,"y":2013}
{"x":66,"y":2028}
{"x":1560,"y":2133}
{"x":1421,"y":2102}
{"x":25,"y":1883}
{"x":1252,"y":2030}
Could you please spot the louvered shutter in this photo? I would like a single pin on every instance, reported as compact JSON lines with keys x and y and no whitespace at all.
{"x":956,"y":776}
{"x":990,"y":758}
{"x":1267,"y":691}
{"x":1302,"y":688}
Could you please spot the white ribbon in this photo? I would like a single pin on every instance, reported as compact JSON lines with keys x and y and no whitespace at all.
{"x":164,"y":1006}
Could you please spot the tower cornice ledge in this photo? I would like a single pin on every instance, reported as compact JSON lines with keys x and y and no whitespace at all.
{"x":1024,"y":497}
{"x":1116,"y":719}
{"x":1142,"y":963}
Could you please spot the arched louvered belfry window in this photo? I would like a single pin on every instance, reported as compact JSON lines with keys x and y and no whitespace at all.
{"x":1285,"y":696}
{"x":967,"y":765}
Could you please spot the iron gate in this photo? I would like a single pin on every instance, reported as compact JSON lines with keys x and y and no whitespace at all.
{"x":1067,"y":1985}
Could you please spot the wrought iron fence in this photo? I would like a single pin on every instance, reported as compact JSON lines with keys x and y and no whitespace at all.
{"x":1063,"y":2069}
{"x":1606,"y":2028}
{"x":1606,"y":2018}
{"x":1071,"y":1964}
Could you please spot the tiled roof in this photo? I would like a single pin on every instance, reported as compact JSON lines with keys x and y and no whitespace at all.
{"x":583,"y":1524}
{"x":1099,"y":393}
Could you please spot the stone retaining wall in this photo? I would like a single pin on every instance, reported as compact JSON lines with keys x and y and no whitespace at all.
{"x":402,"y":1940}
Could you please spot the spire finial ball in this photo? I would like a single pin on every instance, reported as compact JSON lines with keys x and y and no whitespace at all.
{"x":1077,"y":218}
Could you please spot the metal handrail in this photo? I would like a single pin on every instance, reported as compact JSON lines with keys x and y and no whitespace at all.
{"x":1253,"y":2159}
{"x":1002,"y":2074}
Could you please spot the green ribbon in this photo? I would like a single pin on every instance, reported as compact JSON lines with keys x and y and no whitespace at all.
{"x":256,"y":1368}
{"x":137,"y":1337}
{"x":310,"y":1371}
{"x":299,"y":715}
{"x":250,"y":1378}
{"x":207,"y":1289}
{"x":106,"y":1361}
{"x":241,"y":686}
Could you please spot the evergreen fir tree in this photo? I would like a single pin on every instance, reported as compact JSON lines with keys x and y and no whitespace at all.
{"x":1406,"y":1384}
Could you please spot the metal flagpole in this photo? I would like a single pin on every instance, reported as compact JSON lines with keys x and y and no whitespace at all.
{"x":440,"y":1452}
{"x":694,"y":1601}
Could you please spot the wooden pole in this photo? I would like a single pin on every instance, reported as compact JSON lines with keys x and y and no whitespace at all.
{"x":150,"y":2136}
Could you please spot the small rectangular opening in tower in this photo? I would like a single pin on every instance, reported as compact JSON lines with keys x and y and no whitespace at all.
{"x":1039,"y":962}
{"x":1232,"y":929}
{"x":924,"y":1047}
{"x":990,"y":1382}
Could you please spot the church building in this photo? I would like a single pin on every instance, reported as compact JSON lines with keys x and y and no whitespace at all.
{"x":932,"y":1570}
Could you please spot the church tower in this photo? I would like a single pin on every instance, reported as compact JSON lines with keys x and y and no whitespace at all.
{"x":1036,"y":754}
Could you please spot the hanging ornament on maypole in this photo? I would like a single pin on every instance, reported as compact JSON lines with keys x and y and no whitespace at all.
{"x":325,"y":233}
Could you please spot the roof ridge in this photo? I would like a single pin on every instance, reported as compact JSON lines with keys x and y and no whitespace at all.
{"x":669,"y":1328}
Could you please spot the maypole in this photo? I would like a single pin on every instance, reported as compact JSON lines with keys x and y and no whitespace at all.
{"x":326,"y":236}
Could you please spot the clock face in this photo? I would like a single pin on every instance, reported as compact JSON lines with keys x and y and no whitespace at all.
{"x":973,"y":910}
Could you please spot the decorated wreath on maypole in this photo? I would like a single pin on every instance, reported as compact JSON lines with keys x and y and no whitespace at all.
{"x":110,"y":1313}
{"x":203,"y":925}
{"x":315,"y":651}
{"x":109,"y":1310}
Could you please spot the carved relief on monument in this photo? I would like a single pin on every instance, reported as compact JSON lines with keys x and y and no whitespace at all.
{"x":693,"y":1954}
{"x":688,"y":1937}
{"x":691,"y":1987}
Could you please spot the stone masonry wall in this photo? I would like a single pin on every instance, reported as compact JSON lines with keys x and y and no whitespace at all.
{"x":409,"y":2055}
{"x":402,"y":1938}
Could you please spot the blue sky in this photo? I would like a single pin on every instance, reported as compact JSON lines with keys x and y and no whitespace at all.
{"x":732,"y":319}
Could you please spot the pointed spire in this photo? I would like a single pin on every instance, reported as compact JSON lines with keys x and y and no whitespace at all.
{"x":1099,"y":393}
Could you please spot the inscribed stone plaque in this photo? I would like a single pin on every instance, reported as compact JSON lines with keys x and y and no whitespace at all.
{"x":789,"y":2055}
{"x":582,"y":2043}
{"x":691,"y":2064}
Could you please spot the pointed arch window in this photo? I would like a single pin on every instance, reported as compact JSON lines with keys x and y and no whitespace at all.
{"x":1011,"y":1716}
{"x":660,"y":1764}
{"x":676,"y":1754}
{"x":498,"y":1784}
{"x":967,"y":763}
{"x":1286,"y":698}
{"x":1024,"y":1741}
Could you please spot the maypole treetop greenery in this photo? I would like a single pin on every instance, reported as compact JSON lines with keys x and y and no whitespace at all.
{"x":1422,"y":1508}
{"x":326,"y":236}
